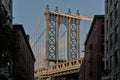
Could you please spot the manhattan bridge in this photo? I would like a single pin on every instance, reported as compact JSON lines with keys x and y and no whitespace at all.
{"x":56,"y":44}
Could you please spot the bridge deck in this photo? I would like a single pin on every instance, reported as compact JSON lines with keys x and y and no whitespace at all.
{"x":59,"y":69}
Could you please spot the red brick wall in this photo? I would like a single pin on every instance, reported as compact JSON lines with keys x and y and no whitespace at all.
{"x":93,"y":51}
{"x":23,"y":61}
{"x":82,"y":70}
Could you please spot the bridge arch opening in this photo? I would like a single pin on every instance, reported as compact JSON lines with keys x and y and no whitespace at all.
{"x":62,"y":42}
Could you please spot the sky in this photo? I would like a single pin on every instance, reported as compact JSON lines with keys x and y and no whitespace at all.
{"x":28,"y":12}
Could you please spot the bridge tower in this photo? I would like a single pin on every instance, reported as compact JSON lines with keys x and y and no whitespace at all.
{"x":53,"y":21}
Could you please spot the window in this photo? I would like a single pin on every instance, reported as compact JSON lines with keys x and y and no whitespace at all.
{"x":102,"y":29}
{"x":106,"y":47}
{"x":90,"y":47}
{"x":116,"y":14}
{"x":110,"y":2}
{"x":106,"y":6}
{"x":116,"y":10}
{"x":116,"y":58}
{"x":107,"y":65}
{"x":106,"y":26}
{"x":111,"y":42}
{"x":110,"y":65}
{"x":111,"y":20}
{"x":106,"y":9}
{"x":116,"y":4}
{"x":116,"y":34}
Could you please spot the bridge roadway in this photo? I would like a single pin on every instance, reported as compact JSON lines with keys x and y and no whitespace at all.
{"x":60,"y":71}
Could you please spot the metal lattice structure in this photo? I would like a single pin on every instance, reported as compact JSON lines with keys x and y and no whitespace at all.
{"x":53,"y":21}
{"x":53,"y":67}
{"x":69,"y":67}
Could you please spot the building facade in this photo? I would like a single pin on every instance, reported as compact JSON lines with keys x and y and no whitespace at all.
{"x":6,"y":13}
{"x":112,"y":38}
{"x":16,"y":56}
{"x":94,"y":50}
{"x":82,"y":70}
{"x":23,"y":58}
{"x":5,"y":39}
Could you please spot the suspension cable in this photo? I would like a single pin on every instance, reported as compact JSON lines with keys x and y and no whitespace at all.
{"x":37,"y":26}
{"x":38,"y":38}
{"x":62,"y":34}
{"x":64,"y":46}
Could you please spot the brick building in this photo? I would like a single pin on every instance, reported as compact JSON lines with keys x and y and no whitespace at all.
{"x":82,"y":70}
{"x":94,"y":49}
{"x":23,"y":58}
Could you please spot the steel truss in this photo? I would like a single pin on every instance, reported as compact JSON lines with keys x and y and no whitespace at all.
{"x":53,"y":21}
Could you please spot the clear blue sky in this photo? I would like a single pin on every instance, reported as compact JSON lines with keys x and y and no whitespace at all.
{"x":28,"y":12}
